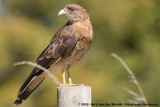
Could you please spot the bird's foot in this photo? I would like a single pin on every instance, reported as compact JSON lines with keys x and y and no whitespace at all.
{"x":68,"y":84}
{"x":72,"y":84}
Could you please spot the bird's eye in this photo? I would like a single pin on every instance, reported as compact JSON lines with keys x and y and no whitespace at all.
{"x":71,"y":9}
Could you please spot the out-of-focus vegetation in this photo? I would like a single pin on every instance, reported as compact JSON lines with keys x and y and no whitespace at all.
{"x":130,"y":28}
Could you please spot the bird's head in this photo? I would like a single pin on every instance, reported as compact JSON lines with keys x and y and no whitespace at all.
{"x":74,"y":13}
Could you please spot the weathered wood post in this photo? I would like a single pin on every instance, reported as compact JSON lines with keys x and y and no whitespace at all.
{"x":73,"y":96}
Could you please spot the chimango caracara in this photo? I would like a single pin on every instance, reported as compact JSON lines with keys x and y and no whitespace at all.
{"x":65,"y":49}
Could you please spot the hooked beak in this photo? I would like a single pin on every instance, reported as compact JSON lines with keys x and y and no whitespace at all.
{"x":61,"y":12}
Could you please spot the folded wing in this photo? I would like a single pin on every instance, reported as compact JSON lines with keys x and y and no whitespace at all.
{"x":62,"y":43}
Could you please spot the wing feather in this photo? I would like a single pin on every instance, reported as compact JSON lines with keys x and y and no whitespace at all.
{"x":60,"y":46}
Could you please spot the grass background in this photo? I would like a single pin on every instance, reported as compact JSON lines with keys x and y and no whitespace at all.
{"x":130,"y":28}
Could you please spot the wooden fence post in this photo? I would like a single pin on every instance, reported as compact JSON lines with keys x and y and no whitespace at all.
{"x":74,"y":96}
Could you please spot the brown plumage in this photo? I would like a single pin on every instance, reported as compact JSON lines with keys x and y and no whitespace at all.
{"x":66,"y":48}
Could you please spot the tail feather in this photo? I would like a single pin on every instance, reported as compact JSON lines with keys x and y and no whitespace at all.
{"x":32,"y":82}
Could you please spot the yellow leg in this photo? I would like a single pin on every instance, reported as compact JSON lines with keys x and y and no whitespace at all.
{"x":69,"y":77}
{"x":63,"y":76}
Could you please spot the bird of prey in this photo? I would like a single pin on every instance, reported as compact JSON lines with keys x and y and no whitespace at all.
{"x":65,"y":49}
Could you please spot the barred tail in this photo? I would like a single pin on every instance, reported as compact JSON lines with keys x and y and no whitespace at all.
{"x":32,"y":82}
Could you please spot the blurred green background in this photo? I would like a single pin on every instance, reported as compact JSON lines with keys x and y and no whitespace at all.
{"x":129,"y":28}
